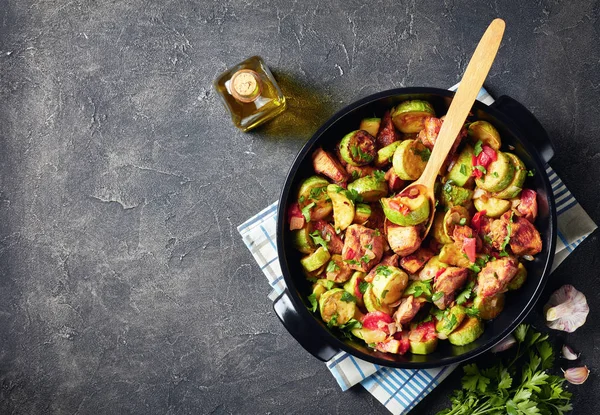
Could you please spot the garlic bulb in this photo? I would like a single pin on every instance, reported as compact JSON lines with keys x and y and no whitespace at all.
{"x":567,"y":309}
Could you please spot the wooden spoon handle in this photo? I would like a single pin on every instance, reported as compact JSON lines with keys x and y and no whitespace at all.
{"x":465,"y":96}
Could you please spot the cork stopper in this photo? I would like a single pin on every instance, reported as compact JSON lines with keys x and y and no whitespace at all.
{"x":245,"y":85}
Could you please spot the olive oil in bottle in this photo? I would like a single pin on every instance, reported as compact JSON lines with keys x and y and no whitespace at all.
{"x":250,"y":93}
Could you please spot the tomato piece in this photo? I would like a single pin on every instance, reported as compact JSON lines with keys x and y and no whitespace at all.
{"x":440,"y":272}
{"x":469,"y":247}
{"x":357,"y":292}
{"x":294,"y":212}
{"x":350,"y":254}
{"x":483,"y":159}
{"x":296,"y":223}
{"x":423,"y":332}
{"x":490,"y":153}
{"x":371,"y":321}
{"x":402,"y":337}
{"x":476,"y":221}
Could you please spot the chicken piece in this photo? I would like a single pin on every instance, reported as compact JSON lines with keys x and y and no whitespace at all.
{"x":356,"y":172}
{"x":407,"y":310}
{"x":460,"y":232}
{"x":394,"y":182}
{"x":340,"y":272}
{"x":387,"y":133}
{"x":413,"y":263}
{"x":428,"y":135}
{"x":496,"y":275}
{"x":391,"y":260}
{"x":335,"y":243}
{"x":377,"y":218}
{"x":524,"y":237}
{"x":404,"y":240}
{"x":326,"y":164}
{"x":363,"y":247}
{"x":498,"y":233}
{"x":448,"y":282}
{"x":528,"y":207}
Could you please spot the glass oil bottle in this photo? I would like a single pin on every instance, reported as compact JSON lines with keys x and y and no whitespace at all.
{"x":250,"y":93}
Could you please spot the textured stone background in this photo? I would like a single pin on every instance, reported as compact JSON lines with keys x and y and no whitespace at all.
{"x":124,"y":286}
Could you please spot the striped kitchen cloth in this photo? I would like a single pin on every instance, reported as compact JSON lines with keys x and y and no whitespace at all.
{"x":401,"y":389}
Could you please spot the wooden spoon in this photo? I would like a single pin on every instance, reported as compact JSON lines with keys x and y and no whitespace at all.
{"x":465,"y":96}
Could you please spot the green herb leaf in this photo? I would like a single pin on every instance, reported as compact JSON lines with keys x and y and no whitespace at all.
{"x":328,"y":284}
{"x":463,"y":169}
{"x":306,"y":210}
{"x":383,"y":270}
{"x":355,"y":175}
{"x":332,"y":267}
{"x":531,"y":172}
{"x":379,"y":175}
{"x":465,"y":294}
{"x":472,"y":311}
{"x":351,"y":324}
{"x":351,"y":261}
{"x":424,"y":153}
{"x":318,"y":240}
{"x":362,"y":286}
{"x":354,"y":196}
{"x":462,"y":221}
{"x":384,"y":293}
{"x":301,"y":199}
{"x":347,"y":297}
{"x":333,"y":322}
{"x":313,"y":302}
{"x":437,"y":296}
{"x":316,"y":192}
{"x":478,"y":148}
{"x":481,"y":169}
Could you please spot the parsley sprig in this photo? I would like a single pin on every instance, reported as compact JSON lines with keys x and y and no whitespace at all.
{"x":519,"y":386}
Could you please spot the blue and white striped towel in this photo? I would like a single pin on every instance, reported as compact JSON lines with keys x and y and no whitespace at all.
{"x":401,"y":389}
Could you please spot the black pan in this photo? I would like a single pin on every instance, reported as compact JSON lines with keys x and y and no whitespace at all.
{"x":519,"y":128}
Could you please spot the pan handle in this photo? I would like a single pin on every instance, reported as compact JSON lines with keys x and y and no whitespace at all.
{"x":528,"y":124}
{"x":300,"y":330}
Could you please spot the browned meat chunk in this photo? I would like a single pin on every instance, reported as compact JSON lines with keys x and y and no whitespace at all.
{"x":527,"y":207}
{"x":413,"y":263}
{"x":428,"y":135}
{"x":460,"y":232}
{"x":498,"y":233}
{"x":340,"y":272}
{"x":387,"y":132}
{"x":448,"y":282}
{"x":326,"y":164}
{"x":524,"y":238}
{"x":377,"y":218}
{"x":356,"y":172}
{"x":404,"y":240}
{"x":363,"y":247}
{"x":335,"y":243}
{"x":495,"y":276}
{"x":407,"y":309}
{"x":391,"y":260}
{"x":395,"y":183}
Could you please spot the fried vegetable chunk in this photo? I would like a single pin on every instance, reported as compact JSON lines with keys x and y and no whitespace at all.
{"x":404,"y":240}
{"x":363,"y":247}
{"x":447,"y":283}
{"x":495,"y":276}
{"x":326,"y":164}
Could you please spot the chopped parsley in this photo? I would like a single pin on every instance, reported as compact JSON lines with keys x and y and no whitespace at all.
{"x":481,"y":169}
{"x":362,"y":287}
{"x":347,"y":297}
{"x":351,"y":261}
{"x":313,"y":302}
{"x":306,"y":211}
{"x":369,"y":246}
{"x":478,"y":148}
{"x":465,"y":294}
{"x":424,"y":153}
{"x":332,"y":267}
{"x":472,"y":311}
{"x":301,"y":199}
{"x":384,"y":293}
{"x":495,"y":174}
{"x":351,"y":324}
{"x":354,"y":196}
{"x":365,"y":259}
{"x":531,"y":172}
{"x":383,"y":270}
{"x":448,"y":186}
{"x":333,"y":322}
{"x":379,"y":175}
{"x":418,"y":288}
{"x":328,"y":284}
{"x":437,"y":296}
{"x":450,"y":322}
{"x":377,"y":233}
{"x":316,"y":192}
{"x":463,"y":169}
{"x":508,"y":235}
{"x":318,"y":240}
{"x":355,"y":174}
{"x":462,"y":221}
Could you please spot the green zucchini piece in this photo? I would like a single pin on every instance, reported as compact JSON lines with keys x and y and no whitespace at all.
{"x":315,"y":260}
{"x":389,"y":283}
{"x":302,"y":241}
{"x":358,"y":148}
{"x":452,"y":255}
{"x":353,"y":286}
{"x":499,"y":175}
{"x":451,"y":319}
{"x":370,"y":125}
{"x":410,"y":159}
{"x":417,"y":209}
{"x":370,"y":336}
{"x":318,"y":290}
{"x":489,"y":307}
{"x":343,"y":206}
{"x":515,"y":187}
{"x":334,"y":308}
{"x":494,"y":208}
{"x":486,"y":132}
{"x":372,"y":303}
{"x":431,"y":268}
{"x":362,"y":213}
{"x":439,"y":230}
{"x":314,"y":190}
{"x":468,"y":331}
{"x":425,"y":347}
{"x":519,"y":279}
{"x":385,"y":154}
{"x":369,"y":188}
{"x":462,"y":170}
{"x":410,"y":116}
{"x":316,"y":273}
{"x":451,"y":195}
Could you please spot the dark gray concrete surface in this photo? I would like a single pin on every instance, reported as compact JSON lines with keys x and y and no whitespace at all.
{"x":124,"y":286}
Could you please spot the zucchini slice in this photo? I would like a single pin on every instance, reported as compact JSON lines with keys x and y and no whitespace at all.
{"x":515,"y":187}
{"x":343,"y":206}
{"x":500,"y":174}
{"x":439,"y":230}
{"x":451,"y":254}
{"x":451,"y":195}
{"x":468,"y":331}
{"x":370,"y":336}
{"x":389,"y":283}
{"x":372,"y":303}
{"x":486,"y":132}
{"x":462,"y":170}
{"x":315,"y":260}
{"x":406,"y":211}
{"x":385,"y":154}
{"x":336,"y":307}
{"x":370,"y":125}
{"x":354,"y":285}
{"x":302,"y":241}
{"x":423,"y":347}
{"x":358,"y":148}
{"x":489,"y":307}
{"x":314,"y":190}
{"x":519,"y":279}
{"x":409,"y":116}
{"x":410,"y":159}
{"x":494,"y":208}
{"x":450,"y":320}
{"x":369,"y":188}
{"x":362,"y":213}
